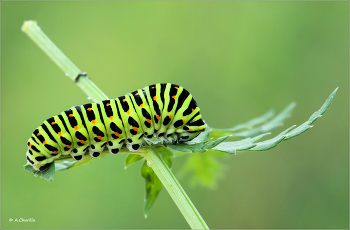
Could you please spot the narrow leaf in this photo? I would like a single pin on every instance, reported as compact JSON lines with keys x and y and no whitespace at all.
{"x":132,"y":158}
{"x":248,"y":144}
{"x":203,"y":169}
{"x":268,"y":144}
{"x":48,"y":174}
{"x":212,"y":144}
{"x":198,"y":147}
{"x":59,"y":166}
{"x":73,"y":164}
{"x":255,"y":121}
{"x":247,"y":125}
{"x":306,"y":125}
{"x":245,"y":144}
{"x":153,"y":186}
{"x":269,"y":126}
{"x":279,"y":119}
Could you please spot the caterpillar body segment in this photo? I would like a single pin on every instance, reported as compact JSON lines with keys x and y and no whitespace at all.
{"x":167,"y":112}
{"x":114,"y":126}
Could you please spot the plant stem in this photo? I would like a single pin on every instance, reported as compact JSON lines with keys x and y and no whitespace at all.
{"x":159,"y":166}
{"x":169,"y":181}
{"x":32,"y":29}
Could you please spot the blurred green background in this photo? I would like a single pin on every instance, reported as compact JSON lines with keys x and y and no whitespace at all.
{"x":238,"y":59}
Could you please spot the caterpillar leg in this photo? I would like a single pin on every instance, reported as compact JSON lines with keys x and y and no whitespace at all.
{"x":173,"y":138}
{"x":114,"y":146}
{"x":78,"y":153}
{"x":97,"y":149}
{"x":133,"y":147}
{"x":114,"y":151}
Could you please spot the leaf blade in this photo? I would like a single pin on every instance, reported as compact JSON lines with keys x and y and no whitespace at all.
{"x":48,"y":174}
{"x":153,"y":187}
{"x":132,"y":158}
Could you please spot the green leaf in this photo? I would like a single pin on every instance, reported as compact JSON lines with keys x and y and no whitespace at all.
{"x":244,"y":126}
{"x":306,"y":125}
{"x":268,"y":144}
{"x":64,"y":165}
{"x":73,"y":164}
{"x":248,"y":144}
{"x":245,"y":144}
{"x":198,"y":147}
{"x":153,"y":186}
{"x":132,"y":158}
{"x":269,"y":126}
{"x":203,"y":169}
{"x":255,"y":121}
{"x":48,"y":174}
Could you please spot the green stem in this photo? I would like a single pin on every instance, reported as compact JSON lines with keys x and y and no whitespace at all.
{"x":168,"y":180}
{"x":32,"y":29}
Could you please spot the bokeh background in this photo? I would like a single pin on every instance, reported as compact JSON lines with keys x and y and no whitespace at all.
{"x":238,"y":59}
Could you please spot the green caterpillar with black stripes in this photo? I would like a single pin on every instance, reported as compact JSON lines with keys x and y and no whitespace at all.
{"x":167,"y":112}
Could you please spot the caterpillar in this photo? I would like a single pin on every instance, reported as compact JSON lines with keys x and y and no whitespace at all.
{"x":165,"y":111}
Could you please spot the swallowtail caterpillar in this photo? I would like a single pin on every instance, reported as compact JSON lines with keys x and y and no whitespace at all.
{"x":167,"y":112}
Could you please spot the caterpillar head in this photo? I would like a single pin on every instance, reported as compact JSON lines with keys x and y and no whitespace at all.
{"x":37,"y":157}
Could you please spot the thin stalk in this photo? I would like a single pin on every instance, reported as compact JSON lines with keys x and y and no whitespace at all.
{"x":32,"y":29}
{"x":161,"y":169}
{"x":177,"y":193}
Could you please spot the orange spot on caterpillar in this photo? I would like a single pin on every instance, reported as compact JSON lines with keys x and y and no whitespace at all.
{"x":117,"y":134}
{"x":155,"y":98}
{"x":108,"y":104}
{"x":71,"y":115}
{"x":38,"y":134}
{"x":157,"y":116}
{"x":152,"y":87}
{"x":128,"y":112}
{"x":176,"y":87}
{"x":111,"y":118}
{"x":137,"y":94}
{"x":124,"y":100}
{"x":192,"y":110}
{"x":174,"y":97}
{"x":135,"y":129}
{"x":52,"y":123}
{"x":93,"y":122}
{"x":55,"y":152}
{"x":148,"y":120}
{"x":45,"y":142}
{"x":68,"y":146}
{"x":170,"y":116}
{"x":183,"y":120}
{"x":190,"y":129}
{"x":59,"y":134}
{"x":99,"y":137}
{"x":142,"y":106}
{"x":89,"y":109}
{"x":30,"y":145}
{"x":82,"y":141}
{"x":76,"y":128}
